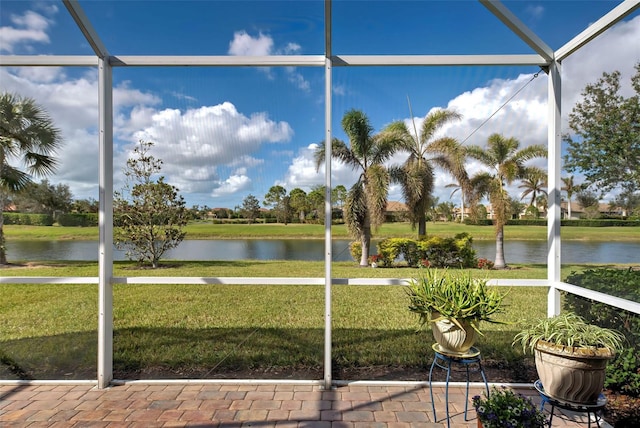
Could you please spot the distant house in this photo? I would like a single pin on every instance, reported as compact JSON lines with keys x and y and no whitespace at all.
{"x":396,"y":211}
{"x":578,"y":211}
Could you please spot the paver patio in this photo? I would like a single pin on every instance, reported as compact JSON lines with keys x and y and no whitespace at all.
{"x":189,"y":404}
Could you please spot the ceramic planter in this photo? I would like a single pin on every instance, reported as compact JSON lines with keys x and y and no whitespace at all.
{"x":452,"y":338}
{"x":573,"y":375}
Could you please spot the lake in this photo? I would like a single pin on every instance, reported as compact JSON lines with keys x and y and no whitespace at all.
{"x":310,"y":249}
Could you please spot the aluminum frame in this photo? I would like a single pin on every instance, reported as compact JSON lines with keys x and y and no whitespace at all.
{"x":544,"y":57}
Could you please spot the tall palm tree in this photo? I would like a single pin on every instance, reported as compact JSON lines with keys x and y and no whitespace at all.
{"x":534,"y":183}
{"x":367,"y":199}
{"x":570,"y":188}
{"x":416,"y":174}
{"x":506,"y":164}
{"x":27,"y":137}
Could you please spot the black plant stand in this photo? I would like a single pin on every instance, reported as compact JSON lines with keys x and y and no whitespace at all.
{"x":595,"y":409}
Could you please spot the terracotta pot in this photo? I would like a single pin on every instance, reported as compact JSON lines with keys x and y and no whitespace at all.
{"x":450,"y":337}
{"x":574,"y":375}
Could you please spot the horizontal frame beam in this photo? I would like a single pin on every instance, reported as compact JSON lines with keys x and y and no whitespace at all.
{"x":49,"y":60}
{"x":272,"y":61}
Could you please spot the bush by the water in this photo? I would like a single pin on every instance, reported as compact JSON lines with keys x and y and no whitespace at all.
{"x":438,"y":252}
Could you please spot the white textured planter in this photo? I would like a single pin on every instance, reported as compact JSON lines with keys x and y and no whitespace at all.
{"x":450,"y":337}
{"x":573,"y":375}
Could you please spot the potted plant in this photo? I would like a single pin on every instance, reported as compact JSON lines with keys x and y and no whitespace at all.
{"x":503,"y":408}
{"x":454,"y":304}
{"x":571,"y":356}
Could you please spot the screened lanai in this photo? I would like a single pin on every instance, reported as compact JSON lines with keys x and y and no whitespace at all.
{"x":199,"y":79}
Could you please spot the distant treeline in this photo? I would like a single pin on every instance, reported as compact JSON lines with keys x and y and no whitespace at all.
{"x":573,"y":222}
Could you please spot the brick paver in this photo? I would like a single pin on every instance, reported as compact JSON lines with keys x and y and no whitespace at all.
{"x":241,"y":405}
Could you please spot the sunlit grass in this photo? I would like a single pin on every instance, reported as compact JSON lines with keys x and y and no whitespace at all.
{"x":207,"y":330}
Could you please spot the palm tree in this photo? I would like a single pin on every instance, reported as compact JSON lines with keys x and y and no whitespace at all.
{"x":534,"y":183}
{"x":416,"y":174}
{"x":457,"y":186}
{"x":367,"y":199}
{"x":570,"y":188}
{"x":506,"y":164}
{"x":27,"y":137}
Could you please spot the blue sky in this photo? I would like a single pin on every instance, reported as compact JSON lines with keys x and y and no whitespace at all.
{"x":225,"y":133}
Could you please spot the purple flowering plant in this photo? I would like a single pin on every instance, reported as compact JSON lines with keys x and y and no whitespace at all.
{"x":505,"y":409}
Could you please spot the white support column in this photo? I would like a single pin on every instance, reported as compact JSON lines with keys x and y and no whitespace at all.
{"x":105,"y":255}
{"x":327,"y":228}
{"x":554,"y":199}
{"x":328,"y":256}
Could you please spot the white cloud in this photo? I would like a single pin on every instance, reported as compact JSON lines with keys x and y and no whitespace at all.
{"x":244,"y":44}
{"x":262,"y":45}
{"x":29,"y":28}
{"x":236,"y":183}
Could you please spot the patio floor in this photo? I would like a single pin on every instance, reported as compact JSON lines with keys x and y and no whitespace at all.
{"x":157,"y":404}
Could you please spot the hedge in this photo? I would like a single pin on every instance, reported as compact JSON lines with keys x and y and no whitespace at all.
{"x":26,"y":219}
{"x":78,"y":219}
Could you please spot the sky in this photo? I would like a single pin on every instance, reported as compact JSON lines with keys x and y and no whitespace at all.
{"x":226,"y":132}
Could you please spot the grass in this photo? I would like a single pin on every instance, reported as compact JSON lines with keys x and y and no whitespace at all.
{"x":199,"y":230}
{"x":49,"y":331}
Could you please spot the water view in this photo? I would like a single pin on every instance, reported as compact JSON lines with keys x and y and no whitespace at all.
{"x":313,"y":249}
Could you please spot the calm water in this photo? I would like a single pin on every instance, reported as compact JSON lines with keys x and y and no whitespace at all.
{"x":305,"y":249}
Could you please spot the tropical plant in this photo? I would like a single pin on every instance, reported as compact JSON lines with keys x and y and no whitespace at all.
{"x":28,"y":137}
{"x":534,"y":184}
{"x":416,"y":174}
{"x":438,"y":294}
{"x":506,"y":163}
{"x":366,"y":200}
{"x":503,"y":408}
{"x":570,"y":188}
{"x":571,"y":331}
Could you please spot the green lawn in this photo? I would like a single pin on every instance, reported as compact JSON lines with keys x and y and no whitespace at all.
{"x":231,"y":231}
{"x":199,"y":331}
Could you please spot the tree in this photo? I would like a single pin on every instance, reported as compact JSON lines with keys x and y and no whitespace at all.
{"x":629,"y":202}
{"x":250,"y":208}
{"x":606,"y":148}
{"x":315,"y":198}
{"x":28,"y":137}
{"x":534,"y":183}
{"x":299,"y":204}
{"x":277,"y":199}
{"x":570,"y":188}
{"x":89,"y":205}
{"x":149,"y":214}
{"x":338,"y":196}
{"x":506,"y":163}
{"x":416,"y":174}
{"x":44,"y":198}
{"x":367,"y":199}
{"x":589,"y":202}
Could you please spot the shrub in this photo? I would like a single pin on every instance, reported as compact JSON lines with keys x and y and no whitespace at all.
{"x":432,"y":252}
{"x":355,"y":249}
{"x":623,"y":373}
